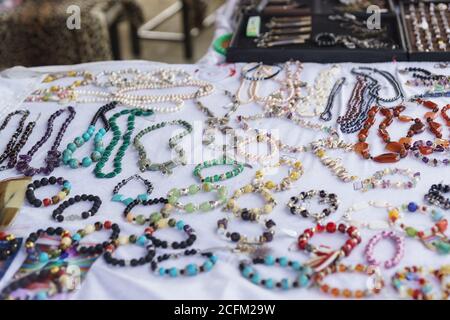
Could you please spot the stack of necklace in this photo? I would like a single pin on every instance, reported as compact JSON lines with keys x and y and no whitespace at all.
{"x":53,"y":155}
{"x":15,"y":145}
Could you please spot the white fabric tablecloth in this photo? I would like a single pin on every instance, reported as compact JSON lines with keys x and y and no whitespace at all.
{"x":224,"y":281}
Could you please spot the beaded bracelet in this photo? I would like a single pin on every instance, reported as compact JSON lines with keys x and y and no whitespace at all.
{"x":399,"y":246}
{"x":44,"y":257}
{"x":336,"y":167}
{"x":189,"y":270}
{"x":45,"y":182}
{"x":58,"y":212}
{"x":238,"y":168}
{"x":329,"y":199}
{"x":301,"y":279}
{"x":141,"y":241}
{"x":394,"y":215}
{"x":266,"y":236}
{"x":174,"y":195}
{"x":435,"y":197}
{"x":249,"y":157}
{"x":415,"y":274}
{"x":97,"y":248}
{"x":179,"y":225}
{"x":421,"y":151}
{"x":166,"y":167}
{"x":55,"y":276}
{"x":442,"y":274}
{"x":252,"y":214}
{"x":294,"y":174}
{"x":118,"y":197}
{"x":323,"y":256}
{"x":153,"y":217}
{"x":9,"y":245}
{"x":376,"y":283}
{"x":378,"y":181}
{"x":436,"y":240}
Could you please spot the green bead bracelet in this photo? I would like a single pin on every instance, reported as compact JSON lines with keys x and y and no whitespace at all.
{"x":174,"y":195}
{"x":238,"y":168}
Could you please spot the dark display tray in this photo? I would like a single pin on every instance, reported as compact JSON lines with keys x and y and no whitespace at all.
{"x":331,"y":6}
{"x":244,"y":49}
{"x":409,"y":37}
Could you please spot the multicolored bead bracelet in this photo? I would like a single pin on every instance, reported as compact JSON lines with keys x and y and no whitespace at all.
{"x":153,"y":217}
{"x":141,"y":241}
{"x":9,"y":245}
{"x":65,"y":241}
{"x":295,"y":172}
{"x":58,"y":212}
{"x":179,"y":225}
{"x":189,"y":270}
{"x":296,"y":206}
{"x":421,"y":151}
{"x":66,"y":187}
{"x":266,"y":236}
{"x":96,"y":249}
{"x":323,"y":256}
{"x":374,"y":286}
{"x":399,"y":246}
{"x":394,"y":215}
{"x":252,"y":214}
{"x":301,"y":279}
{"x":118,"y":197}
{"x":417,"y":275}
{"x":377,"y":180}
{"x":238,"y":168}
{"x":174,"y":195}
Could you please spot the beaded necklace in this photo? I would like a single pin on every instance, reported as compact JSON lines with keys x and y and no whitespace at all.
{"x":68,"y":153}
{"x":435,"y":127}
{"x":12,"y":142}
{"x":132,"y":114}
{"x":53,"y":155}
{"x":145,"y":164}
{"x":326,"y":114}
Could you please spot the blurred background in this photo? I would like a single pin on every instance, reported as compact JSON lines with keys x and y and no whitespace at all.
{"x":56,"y":32}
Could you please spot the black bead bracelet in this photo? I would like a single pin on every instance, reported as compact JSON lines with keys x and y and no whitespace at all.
{"x":9,"y":247}
{"x":154,"y":217}
{"x":31,"y":197}
{"x":172,"y":223}
{"x":135,"y":262}
{"x":435,"y":197}
{"x":58,"y":212}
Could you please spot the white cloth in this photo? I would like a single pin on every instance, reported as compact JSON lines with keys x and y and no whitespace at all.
{"x":224,"y":281}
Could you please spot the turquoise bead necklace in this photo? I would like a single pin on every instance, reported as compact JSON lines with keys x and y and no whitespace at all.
{"x":302,"y":278}
{"x":190,"y":269}
{"x":68,"y":153}
{"x":132,"y":113}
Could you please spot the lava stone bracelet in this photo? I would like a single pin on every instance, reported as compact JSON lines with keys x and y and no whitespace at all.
{"x":10,"y":247}
{"x":141,"y":241}
{"x":265,"y":237}
{"x":324,"y":198}
{"x":154,"y":217}
{"x":189,"y":270}
{"x":98,"y":248}
{"x":302,"y":273}
{"x":44,"y":257}
{"x":57,"y":213}
{"x":172,"y":223}
{"x":66,"y":186}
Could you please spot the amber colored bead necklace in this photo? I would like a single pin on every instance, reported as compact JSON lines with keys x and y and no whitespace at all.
{"x":430,"y":116}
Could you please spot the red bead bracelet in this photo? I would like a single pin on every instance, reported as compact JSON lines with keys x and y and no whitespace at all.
{"x":323,"y":257}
